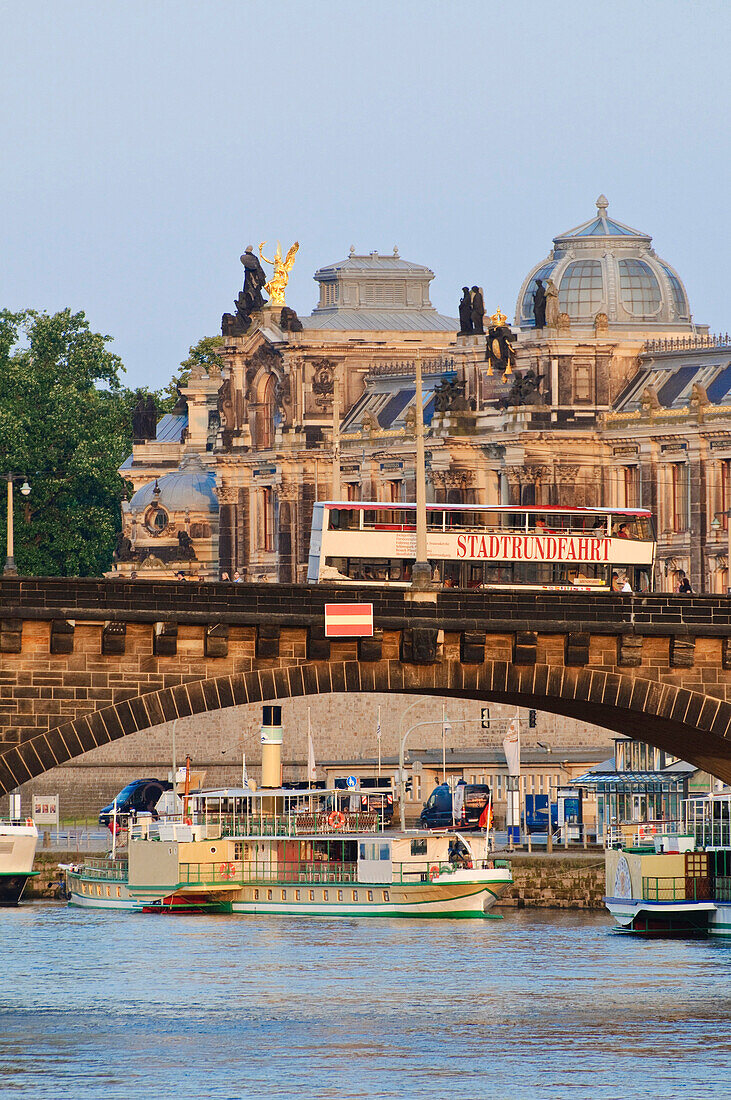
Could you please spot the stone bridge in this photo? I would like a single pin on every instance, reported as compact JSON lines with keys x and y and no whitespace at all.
{"x":85,"y":662}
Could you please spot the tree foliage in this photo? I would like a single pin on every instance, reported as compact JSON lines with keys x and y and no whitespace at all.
{"x":203,"y":354}
{"x":65,"y":425}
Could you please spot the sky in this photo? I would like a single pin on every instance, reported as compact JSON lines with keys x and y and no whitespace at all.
{"x":145,"y":143}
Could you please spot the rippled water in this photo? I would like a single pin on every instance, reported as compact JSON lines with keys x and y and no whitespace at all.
{"x":540,"y":1004}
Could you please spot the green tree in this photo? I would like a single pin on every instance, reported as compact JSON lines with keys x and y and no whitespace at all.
{"x":65,"y":424}
{"x":203,"y":354}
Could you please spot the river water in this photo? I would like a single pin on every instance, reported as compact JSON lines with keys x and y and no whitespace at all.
{"x":540,"y":1004}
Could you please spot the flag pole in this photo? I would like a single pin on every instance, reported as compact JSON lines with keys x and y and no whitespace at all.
{"x":444,"y":747}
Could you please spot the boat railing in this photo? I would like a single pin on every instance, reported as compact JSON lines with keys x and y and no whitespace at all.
{"x":107,"y":870}
{"x":678,"y":888}
{"x":433,"y":869}
{"x":712,"y":834}
{"x":722,"y":889}
{"x":237,"y":872}
{"x":627,"y":834}
{"x":331,"y":823}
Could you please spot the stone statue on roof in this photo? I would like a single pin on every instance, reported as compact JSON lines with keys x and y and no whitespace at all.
{"x":539,"y":304}
{"x":478,"y":311}
{"x":551,"y":304}
{"x":465,"y":313}
{"x":254,"y":280}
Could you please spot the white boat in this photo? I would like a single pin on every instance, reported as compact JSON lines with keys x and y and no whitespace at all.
{"x":275,"y":852}
{"x":675,"y":880}
{"x":18,"y":843}
{"x":286,"y":852}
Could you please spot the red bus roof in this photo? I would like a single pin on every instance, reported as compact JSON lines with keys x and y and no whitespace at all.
{"x":548,"y":509}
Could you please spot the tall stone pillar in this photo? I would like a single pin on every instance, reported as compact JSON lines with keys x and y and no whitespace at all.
{"x":227,"y":497}
{"x":287,"y":534}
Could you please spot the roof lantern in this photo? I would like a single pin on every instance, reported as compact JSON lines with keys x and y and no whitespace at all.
{"x":376,"y":292}
{"x":605,"y":267}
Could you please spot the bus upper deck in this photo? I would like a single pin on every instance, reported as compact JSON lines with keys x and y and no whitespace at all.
{"x":485,"y":546}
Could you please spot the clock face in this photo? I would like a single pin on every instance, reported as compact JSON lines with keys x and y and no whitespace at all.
{"x":622,"y":880}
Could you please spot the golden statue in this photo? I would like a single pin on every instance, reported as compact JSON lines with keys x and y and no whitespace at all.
{"x":277,"y":285}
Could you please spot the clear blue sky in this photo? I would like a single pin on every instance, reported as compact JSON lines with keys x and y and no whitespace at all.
{"x":145,"y":144}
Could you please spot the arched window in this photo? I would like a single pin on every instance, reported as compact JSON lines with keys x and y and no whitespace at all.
{"x":265,"y":414}
{"x":638,"y":288}
{"x":156,"y":520}
{"x":581,"y":290}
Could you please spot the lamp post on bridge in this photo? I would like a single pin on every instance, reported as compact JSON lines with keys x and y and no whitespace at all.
{"x":10,"y":569}
{"x":421,"y":571}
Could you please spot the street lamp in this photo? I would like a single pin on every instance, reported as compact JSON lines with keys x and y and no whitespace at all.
{"x":421,"y":571}
{"x":10,"y":569}
{"x":715,"y":526}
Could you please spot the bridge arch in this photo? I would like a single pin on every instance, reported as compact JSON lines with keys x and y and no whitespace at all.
{"x":686,"y":723}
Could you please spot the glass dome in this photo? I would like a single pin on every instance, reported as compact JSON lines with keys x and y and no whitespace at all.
{"x":603,"y":266}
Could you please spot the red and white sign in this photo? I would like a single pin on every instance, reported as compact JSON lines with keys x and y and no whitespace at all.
{"x":348,"y":620}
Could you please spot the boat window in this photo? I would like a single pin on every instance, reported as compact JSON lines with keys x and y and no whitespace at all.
{"x":362,"y":851}
{"x":370,"y":895}
{"x":355,"y":895}
{"x":385,"y":895}
{"x":269,"y":895}
{"x":340,"y":895}
{"x":325,"y":895}
{"x":297,"y":895}
{"x":418,"y":847}
{"x":119,"y":892}
{"x":385,"y":851}
{"x":284,"y":895}
{"x":256,"y":895}
{"x":312,"y":895}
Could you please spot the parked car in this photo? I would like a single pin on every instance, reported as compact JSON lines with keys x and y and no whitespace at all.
{"x":437,"y":811}
{"x":139,"y":796}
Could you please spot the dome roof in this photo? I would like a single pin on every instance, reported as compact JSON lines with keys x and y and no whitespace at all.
{"x":604,"y":266}
{"x":190,"y":488}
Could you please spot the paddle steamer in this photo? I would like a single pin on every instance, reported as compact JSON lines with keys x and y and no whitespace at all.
{"x":289,"y":852}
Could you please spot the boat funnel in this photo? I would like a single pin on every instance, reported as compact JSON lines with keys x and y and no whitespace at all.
{"x":271,"y":747}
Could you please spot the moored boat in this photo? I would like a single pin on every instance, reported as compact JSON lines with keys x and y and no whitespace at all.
{"x":279,"y":851}
{"x":18,"y":843}
{"x":677,"y":879}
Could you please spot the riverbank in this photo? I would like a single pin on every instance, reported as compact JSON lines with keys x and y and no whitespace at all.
{"x":567,"y":880}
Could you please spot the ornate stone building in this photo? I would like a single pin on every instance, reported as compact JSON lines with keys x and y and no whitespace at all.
{"x":617,"y":399}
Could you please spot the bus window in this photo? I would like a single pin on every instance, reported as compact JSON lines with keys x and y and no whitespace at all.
{"x":342,"y":519}
{"x":475,"y":575}
{"x":451,"y":574}
{"x":434,"y":520}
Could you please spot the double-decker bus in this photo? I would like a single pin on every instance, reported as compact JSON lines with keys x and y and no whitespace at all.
{"x":491,"y":547}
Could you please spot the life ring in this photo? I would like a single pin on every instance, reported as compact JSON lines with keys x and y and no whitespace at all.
{"x":29,"y":821}
{"x":433,"y":872}
{"x":336,"y":820}
{"x":227,"y":870}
